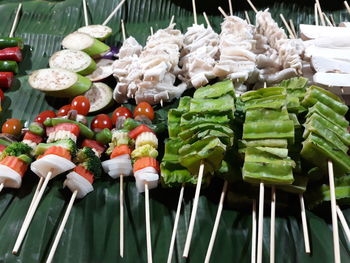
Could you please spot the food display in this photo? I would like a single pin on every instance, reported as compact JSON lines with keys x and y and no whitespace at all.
{"x":208,"y":117}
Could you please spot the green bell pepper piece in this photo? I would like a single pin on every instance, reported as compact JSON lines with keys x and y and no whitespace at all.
{"x":219,"y":105}
{"x":273,"y":102}
{"x":184,"y":104}
{"x":173,"y":175}
{"x":269,"y":130}
{"x":190,"y":119}
{"x":278,"y":143}
{"x":279,"y":114}
{"x":186,"y":134}
{"x":262,"y":93}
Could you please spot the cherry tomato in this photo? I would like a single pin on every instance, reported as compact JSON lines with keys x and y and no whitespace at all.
{"x":145,"y":109}
{"x":12,"y":126}
{"x":100,"y":122}
{"x":45,"y":115}
{"x":121,"y":111}
{"x":63,"y":111}
{"x":81,"y":104}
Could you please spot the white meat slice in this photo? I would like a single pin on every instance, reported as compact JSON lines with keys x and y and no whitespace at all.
{"x":332,"y":79}
{"x":76,"y":182}
{"x":308,"y":32}
{"x":323,"y":64}
{"x":55,"y":164}
{"x":9,"y":177}
{"x":129,"y":48}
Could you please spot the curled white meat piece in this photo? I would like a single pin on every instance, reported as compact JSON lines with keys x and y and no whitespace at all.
{"x":129,"y":48}
{"x":76,"y":182}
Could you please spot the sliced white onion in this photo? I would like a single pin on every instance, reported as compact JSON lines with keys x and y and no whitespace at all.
{"x":116,"y":167}
{"x":77,"y":182}
{"x":149,"y":175}
{"x":107,"y":163}
{"x":9,"y":177}
{"x":53,"y":163}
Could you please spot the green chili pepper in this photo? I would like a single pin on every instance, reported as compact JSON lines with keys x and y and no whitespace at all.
{"x":104,"y":136}
{"x":269,"y":130}
{"x":84,"y":130}
{"x":36,"y":129}
{"x":9,"y":66}
{"x":11,"y":42}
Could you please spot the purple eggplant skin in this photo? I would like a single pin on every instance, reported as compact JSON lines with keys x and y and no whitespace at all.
{"x":112,"y":53}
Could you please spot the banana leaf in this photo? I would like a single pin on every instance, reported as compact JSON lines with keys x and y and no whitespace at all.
{"x":92,"y":230}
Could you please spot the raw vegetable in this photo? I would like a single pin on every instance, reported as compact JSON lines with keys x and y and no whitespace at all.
{"x":6,"y":79}
{"x":16,"y":149}
{"x":87,"y":158}
{"x":93,"y":145}
{"x":104,"y":136}
{"x":145,"y":162}
{"x":103,"y":70}
{"x":99,"y":32}
{"x":112,"y":53}
{"x":144,"y":109}
{"x":66,"y":144}
{"x":45,"y":115}
{"x":121,"y":112}
{"x":81,"y":104}
{"x":84,"y":42}
{"x":84,"y":130}
{"x":32,"y":137}
{"x":144,"y":151}
{"x":11,"y":53}
{"x":63,"y":111}
{"x":37,"y":128}
{"x":9,"y":66}
{"x":59,"y":82}
{"x":100,"y":96}
{"x":73,"y":60}
{"x":11,"y":42}
{"x":120,"y":150}
{"x":130,"y":124}
{"x":12,"y":126}
{"x":138,"y":130}
{"x":101,"y":122}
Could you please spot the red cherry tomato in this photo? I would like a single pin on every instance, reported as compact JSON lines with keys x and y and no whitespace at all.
{"x":12,"y":126}
{"x":63,"y":111}
{"x":100,"y":122}
{"x":45,"y":115}
{"x":119,"y":112}
{"x":145,"y":109}
{"x":81,"y":104}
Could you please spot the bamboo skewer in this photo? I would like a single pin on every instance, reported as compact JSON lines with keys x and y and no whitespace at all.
{"x":151,"y":29}
{"x":293,"y":28}
{"x":316,"y":14}
{"x":61,"y":228}
{"x":343,"y":223}
{"x":194,"y":11}
{"x":253,"y":253}
{"x":194,"y":211}
{"x":260,"y":223}
{"x":272,"y":226}
{"x":176,"y":222}
{"x":206,"y":19}
{"x":123,"y":29}
{"x":85,"y":13}
{"x":15,"y":21}
{"x":148,"y":225}
{"x":320,"y":12}
{"x":332,"y":20}
{"x":327,"y":19}
{"x":121,"y":215}
{"x":216,"y":223}
{"x":230,"y":7}
{"x":247,"y":17}
{"x":172,"y":20}
{"x":304,"y":223}
{"x":347,"y":6}
{"x":291,"y":34}
{"x":252,"y":6}
{"x":222,"y":12}
{"x":334,"y":213}
{"x":1,"y":187}
{"x":113,"y":12}
{"x":30,"y":214}
{"x":40,"y":183}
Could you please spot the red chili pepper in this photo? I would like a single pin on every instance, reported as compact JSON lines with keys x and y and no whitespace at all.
{"x":11,"y":53}
{"x":6,"y":79}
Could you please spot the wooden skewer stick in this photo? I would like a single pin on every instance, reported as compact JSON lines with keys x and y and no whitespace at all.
{"x":334,"y":213}
{"x":222,"y":12}
{"x":61,"y":228}
{"x":151,"y":29}
{"x":86,"y":19}
{"x":332,"y":20}
{"x":216,"y":223}
{"x":148,"y":225}
{"x":247,"y":17}
{"x":123,"y":29}
{"x":230,"y":7}
{"x":15,"y":22}
{"x":304,"y":223}
{"x":172,"y":20}
{"x":176,"y":223}
{"x":194,"y":11}
{"x":316,"y":14}
{"x":287,"y":26}
{"x":320,"y":13}
{"x":347,"y":6}
{"x":343,"y":223}
{"x":121,"y":214}
{"x":30,"y":214}
{"x":260,"y":223}
{"x":253,"y":253}
{"x":113,"y":12}
{"x":272,"y":225}
{"x":206,"y":19}
{"x":252,"y":6}
{"x":40,"y":183}
{"x":1,"y":186}
{"x":194,"y":211}
{"x":293,"y":28}
{"x":327,"y":19}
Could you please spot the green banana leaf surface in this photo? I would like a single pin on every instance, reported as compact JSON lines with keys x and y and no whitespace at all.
{"x":92,"y":231}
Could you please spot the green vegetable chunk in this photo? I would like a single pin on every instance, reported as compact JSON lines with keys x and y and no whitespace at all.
{"x":89,"y":160}
{"x":68,"y":144}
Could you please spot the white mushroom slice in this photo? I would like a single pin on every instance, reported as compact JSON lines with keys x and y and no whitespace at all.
{"x":332,"y":79}
{"x":9,"y":177}
{"x":103,"y":70}
{"x":312,"y":31}
{"x":53,"y":163}
{"x":340,"y":54}
{"x":323,"y":64}
{"x":76,"y":182}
